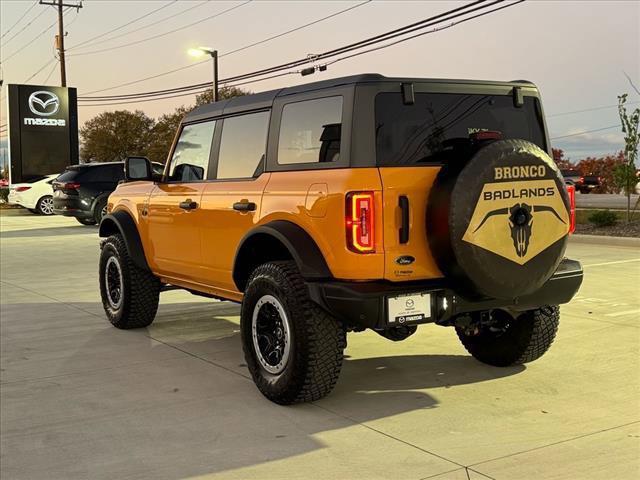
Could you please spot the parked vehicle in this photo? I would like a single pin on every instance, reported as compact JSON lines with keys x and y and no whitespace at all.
{"x":589,"y":183}
{"x":572,"y":177}
{"x":353,"y":203}
{"x":36,"y":196}
{"x":81,"y":191}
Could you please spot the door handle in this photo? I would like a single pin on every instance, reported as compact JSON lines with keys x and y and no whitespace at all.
{"x":403,"y":203}
{"x":244,"y":206}
{"x":188,"y":205}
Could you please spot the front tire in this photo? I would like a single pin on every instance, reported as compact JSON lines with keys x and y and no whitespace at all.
{"x":129,"y":294}
{"x":292,"y":347}
{"x":45,"y":205}
{"x":516,"y":340}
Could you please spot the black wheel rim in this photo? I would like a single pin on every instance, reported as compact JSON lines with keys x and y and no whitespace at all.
{"x":271,"y":334}
{"x":113,"y":282}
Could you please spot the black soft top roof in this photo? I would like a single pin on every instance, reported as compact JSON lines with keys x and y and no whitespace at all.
{"x":261,"y":100}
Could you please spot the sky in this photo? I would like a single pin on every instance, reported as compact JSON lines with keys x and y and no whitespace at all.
{"x":576,"y":52}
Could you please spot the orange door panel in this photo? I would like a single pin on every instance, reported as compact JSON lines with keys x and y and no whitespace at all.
{"x":315,"y":201}
{"x":415,"y":184}
{"x":173,"y":237}
{"x":223,"y":226}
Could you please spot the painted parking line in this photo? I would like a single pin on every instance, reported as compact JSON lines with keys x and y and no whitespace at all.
{"x":612,"y":263}
{"x":619,"y":314}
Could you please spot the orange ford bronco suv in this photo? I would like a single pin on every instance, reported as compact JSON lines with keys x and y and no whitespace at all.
{"x":352,"y":203}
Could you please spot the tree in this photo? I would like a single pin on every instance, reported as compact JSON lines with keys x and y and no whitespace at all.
{"x":627,"y":173}
{"x":112,"y":136}
{"x":223,"y":93}
{"x":558,"y":157}
{"x":163,"y":134}
{"x":604,"y":168}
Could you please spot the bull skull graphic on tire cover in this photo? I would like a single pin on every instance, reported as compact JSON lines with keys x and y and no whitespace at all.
{"x":518,"y":230}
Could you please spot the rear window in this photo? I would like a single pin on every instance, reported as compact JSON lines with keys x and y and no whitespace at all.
{"x":437,"y":125}
{"x":109,"y":173}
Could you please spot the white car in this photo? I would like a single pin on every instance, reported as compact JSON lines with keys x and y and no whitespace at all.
{"x":37,"y":196}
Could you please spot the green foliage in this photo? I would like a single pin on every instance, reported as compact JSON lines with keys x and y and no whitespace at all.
{"x":631,"y":140}
{"x":223,"y":93}
{"x":624,"y":178}
{"x":4,"y":194}
{"x":163,"y":133}
{"x":112,"y":136}
{"x":603,"y":218}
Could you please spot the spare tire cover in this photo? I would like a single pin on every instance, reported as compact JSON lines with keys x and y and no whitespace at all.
{"x":499,"y":227}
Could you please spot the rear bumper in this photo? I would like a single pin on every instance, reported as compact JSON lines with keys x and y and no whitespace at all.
{"x":364,"y":305}
{"x":71,"y":207}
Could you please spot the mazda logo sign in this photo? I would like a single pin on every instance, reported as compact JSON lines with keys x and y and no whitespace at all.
{"x":44,"y":103}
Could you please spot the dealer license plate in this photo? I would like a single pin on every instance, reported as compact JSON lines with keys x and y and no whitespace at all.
{"x":415,"y":307}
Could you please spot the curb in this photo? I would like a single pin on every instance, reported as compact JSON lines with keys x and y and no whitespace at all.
{"x":605,"y":240}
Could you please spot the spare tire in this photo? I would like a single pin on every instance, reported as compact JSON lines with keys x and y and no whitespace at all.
{"x":498,"y":224}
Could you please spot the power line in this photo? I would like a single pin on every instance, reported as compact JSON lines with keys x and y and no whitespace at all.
{"x":41,"y":69}
{"x":585,"y":132}
{"x":23,"y":28}
{"x":588,"y":110}
{"x":123,"y":25}
{"x":37,"y":37}
{"x":234,"y":80}
{"x":451,"y":14}
{"x":50,"y":73}
{"x":20,"y":19}
{"x":88,"y":43}
{"x":133,"y":82}
{"x":137,"y":42}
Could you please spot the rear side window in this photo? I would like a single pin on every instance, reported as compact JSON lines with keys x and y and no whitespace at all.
{"x":243,"y":145}
{"x":310,"y":131}
{"x":68,"y":175}
{"x":191,"y":156}
{"x":438,"y":126}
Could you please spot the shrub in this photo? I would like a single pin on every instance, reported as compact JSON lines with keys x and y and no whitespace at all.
{"x":4,"y":194}
{"x":603,"y":218}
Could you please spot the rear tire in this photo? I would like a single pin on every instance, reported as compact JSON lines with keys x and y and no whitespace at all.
{"x":86,"y":221}
{"x":100,"y":210}
{"x":292,"y":347}
{"x":525,"y":338}
{"x":45,"y":205}
{"x":129,"y":294}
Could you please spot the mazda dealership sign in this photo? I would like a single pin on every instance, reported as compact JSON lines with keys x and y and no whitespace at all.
{"x":43,"y":130}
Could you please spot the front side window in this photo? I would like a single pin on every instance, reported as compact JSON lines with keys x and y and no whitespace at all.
{"x":191,"y":155}
{"x":243,"y":145}
{"x":310,"y":131}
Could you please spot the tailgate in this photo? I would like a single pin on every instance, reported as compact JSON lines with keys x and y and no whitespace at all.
{"x":406,"y":189}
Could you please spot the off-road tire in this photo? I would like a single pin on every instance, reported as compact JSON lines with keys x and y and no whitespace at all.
{"x":86,"y":221}
{"x":98,"y":210}
{"x":317,"y":339}
{"x":526,"y":339}
{"x":140,"y":288}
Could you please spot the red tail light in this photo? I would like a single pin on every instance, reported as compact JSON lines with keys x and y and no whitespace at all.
{"x":580,"y":181}
{"x":22,"y":189}
{"x":359,"y":221}
{"x":571,"y":189}
{"x":71,"y":186}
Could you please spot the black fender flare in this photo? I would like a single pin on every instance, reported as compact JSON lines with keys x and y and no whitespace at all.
{"x":296,"y":241}
{"x":120,"y":222}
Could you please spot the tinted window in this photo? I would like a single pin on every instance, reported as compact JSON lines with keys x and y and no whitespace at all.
{"x":191,"y":155}
{"x":438,"y":126}
{"x":242,"y":146}
{"x":110,"y":173}
{"x":68,"y":175}
{"x":310,"y":131}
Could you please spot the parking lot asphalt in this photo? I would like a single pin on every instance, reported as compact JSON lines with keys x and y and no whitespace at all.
{"x":83,"y":400}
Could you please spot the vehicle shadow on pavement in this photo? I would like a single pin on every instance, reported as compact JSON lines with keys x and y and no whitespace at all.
{"x":94,"y":392}
{"x":49,"y":232}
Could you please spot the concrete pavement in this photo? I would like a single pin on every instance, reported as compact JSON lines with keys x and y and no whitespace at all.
{"x":80,"y":399}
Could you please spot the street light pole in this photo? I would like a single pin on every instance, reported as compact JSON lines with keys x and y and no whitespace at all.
{"x":214,"y":57}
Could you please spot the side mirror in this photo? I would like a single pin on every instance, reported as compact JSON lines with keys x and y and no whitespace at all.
{"x":137,"y":168}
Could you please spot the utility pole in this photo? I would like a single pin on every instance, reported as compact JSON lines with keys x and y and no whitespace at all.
{"x":61,"y":33}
